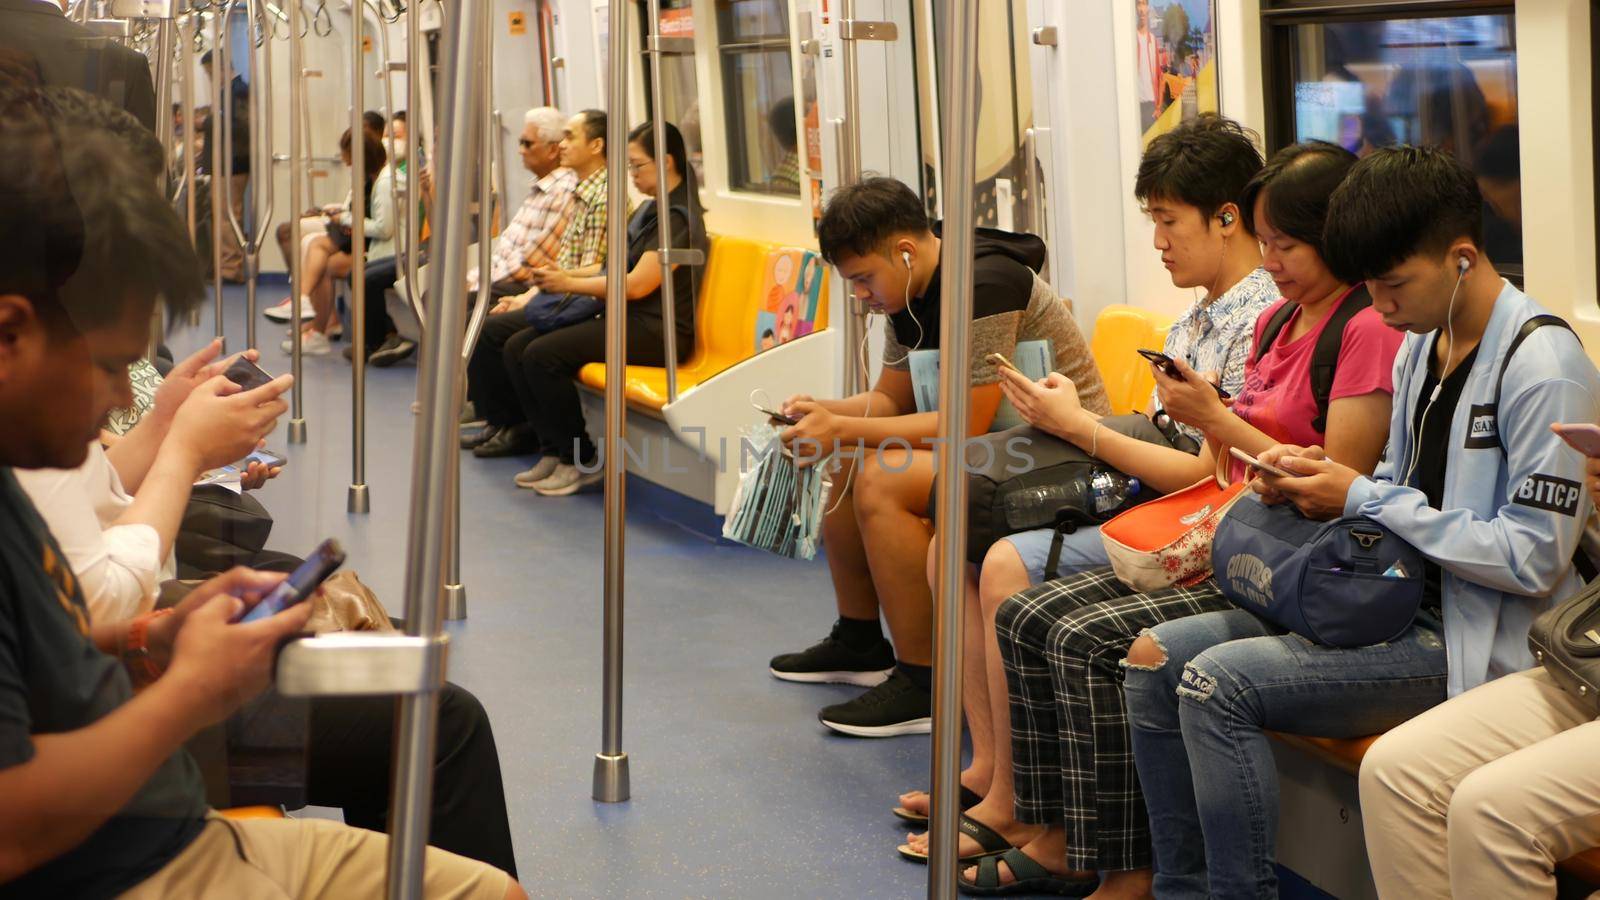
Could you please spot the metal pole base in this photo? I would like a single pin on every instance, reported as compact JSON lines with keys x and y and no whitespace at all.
{"x":360,"y":500}
{"x":455,"y":602}
{"x":297,"y":431}
{"x":611,"y":778}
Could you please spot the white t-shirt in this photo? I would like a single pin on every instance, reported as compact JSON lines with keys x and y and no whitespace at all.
{"x":118,"y":566}
{"x":1147,"y":68}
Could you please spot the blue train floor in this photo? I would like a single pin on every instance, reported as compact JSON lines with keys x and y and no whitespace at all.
{"x":738,"y":791}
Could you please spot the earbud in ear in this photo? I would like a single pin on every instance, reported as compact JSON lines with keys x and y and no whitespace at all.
{"x":905,"y":256}
{"x":1462,"y":265}
{"x":1227,"y":219}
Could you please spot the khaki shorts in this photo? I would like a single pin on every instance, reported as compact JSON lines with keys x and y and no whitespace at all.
{"x":256,"y":859}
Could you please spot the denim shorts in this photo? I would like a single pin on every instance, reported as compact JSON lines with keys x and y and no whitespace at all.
{"x":1082,"y":550}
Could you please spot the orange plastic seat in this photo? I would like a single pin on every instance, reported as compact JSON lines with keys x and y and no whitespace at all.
{"x":252,"y":812}
{"x":1119,"y":331}
{"x":732,"y":293}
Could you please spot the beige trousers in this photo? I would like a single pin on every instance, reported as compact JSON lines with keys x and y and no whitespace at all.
{"x":1481,"y":796}
{"x":274,"y":859}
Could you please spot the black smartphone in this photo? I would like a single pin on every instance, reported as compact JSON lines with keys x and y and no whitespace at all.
{"x":1171,"y":369}
{"x":246,"y":374}
{"x":790,"y":421}
{"x":298,"y":587}
{"x":265,"y":457}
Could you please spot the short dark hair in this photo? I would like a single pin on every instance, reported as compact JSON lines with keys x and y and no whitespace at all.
{"x":373,"y":121}
{"x":1296,"y":183}
{"x":1204,"y":162}
{"x":594,"y":125}
{"x":373,"y":155}
{"x":88,"y":232}
{"x":860,"y":218}
{"x":781,"y":120}
{"x":93,"y":113}
{"x":399,"y":116}
{"x":1398,"y":202}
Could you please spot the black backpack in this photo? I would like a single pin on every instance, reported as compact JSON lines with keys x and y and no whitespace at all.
{"x":1325,"y":356}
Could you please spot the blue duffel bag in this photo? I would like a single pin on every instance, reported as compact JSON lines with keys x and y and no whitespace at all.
{"x":1346,"y":583}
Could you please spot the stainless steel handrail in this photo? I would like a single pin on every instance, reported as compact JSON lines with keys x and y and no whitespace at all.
{"x":259,"y":102}
{"x":414,"y":125}
{"x":297,"y":205}
{"x":220,"y":123}
{"x":358,"y":499}
{"x":191,"y":211}
{"x":163,"y":53}
{"x":436,"y":435}
{"x":658,"y":118}
{"x":848,"y":136}
{"x":611,"y":777}
{"x":960,"y":76}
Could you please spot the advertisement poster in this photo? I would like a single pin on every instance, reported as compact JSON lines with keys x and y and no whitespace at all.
{"x":789,"y":309}
{"x":1175,"y":63}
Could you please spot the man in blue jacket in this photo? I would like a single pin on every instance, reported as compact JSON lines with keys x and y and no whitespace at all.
{"x":1473,"y":478}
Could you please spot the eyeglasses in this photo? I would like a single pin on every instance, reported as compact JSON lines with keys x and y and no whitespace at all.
{"x":634,"y":167}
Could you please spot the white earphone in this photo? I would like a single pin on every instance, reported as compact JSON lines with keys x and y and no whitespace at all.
{"x":1462,"y":265}
{"x":905,"y":255}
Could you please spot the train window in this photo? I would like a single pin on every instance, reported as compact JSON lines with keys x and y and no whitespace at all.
{"x":1447,"y":81}
{"x":758,"y":90}
{"x":678,"y":86}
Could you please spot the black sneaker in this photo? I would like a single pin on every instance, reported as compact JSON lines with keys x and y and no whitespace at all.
{"x":393,"y":350}
{"x":829,"y":661}
{"x":891,"y":709}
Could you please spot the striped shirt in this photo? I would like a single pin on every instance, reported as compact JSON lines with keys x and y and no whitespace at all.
{"x":1218,"y":336}
{"x":535,"y":232}
{"x":584,"y":242}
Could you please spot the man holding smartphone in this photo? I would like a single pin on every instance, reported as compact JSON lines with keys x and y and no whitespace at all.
{"x":97,"y":796}
{"x":876,"y":233}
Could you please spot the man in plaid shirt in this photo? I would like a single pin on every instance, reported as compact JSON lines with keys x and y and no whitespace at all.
{"x":580,"y":250}
{"x":534,"y":235}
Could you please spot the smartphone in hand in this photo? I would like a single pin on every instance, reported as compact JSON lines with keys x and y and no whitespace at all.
{"x":790,"y":421}
{"x":1582,"y":437}
{"x":301,"y":583}
{"x":1258,"y":465}
{"x":1170,"y":369}
{"x":246,"y":374}
{"x":999,"y":359}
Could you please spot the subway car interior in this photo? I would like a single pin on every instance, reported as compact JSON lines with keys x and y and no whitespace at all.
{"x":666,"y":604}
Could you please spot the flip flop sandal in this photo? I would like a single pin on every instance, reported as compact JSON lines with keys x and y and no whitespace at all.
{"x":990,"y":843}
{"x":969,"y":799}
{"x":1030,"y":878}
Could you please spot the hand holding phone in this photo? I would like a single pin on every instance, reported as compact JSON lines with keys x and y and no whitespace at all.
{"x":246,"y":374}
{"x":1170,"y":369}
{"x":301,"y":583}
{"x":790,"y":421}
{"x":999,"y":359}
{"x":1582,"y":437}
{"x":1258,"y":465}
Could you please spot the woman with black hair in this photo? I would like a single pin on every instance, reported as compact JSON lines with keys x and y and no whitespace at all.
{"x":547,"y":363}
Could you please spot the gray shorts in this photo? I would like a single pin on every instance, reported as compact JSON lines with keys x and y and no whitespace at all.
{"x":1080,"y":551}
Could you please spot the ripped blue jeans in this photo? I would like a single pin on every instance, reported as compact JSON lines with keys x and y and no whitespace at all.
{"x":1227,"y":679}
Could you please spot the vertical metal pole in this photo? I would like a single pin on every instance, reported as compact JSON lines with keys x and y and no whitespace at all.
{"x":413,"y":220}
{"x":960,"y":78}
{"x":190,"y":164}
{"x":221,"y":167}
{"x":436,"y":435}
{"x":260,"y":208}
{"x":358,"y":500}
{"x":855,"y":319}
{"x":658,"y":130}
{"x":297,"y":205}
{"x":611,"y":784}
{"x":165,"y":33}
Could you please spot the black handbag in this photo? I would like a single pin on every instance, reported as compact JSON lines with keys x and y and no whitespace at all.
{"x":1566,"y":641}
{"x":220,"y":530}
{"x":1022,"y":479}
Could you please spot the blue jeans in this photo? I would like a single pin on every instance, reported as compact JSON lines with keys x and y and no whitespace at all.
{"x":1081,"y":551}
{"x":1228,"y":678}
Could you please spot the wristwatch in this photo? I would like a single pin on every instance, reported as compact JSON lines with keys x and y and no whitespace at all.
{"x":136,"y":649}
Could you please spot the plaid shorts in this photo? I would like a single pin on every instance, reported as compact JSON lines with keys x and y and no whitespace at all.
{"x":1063,"y":643}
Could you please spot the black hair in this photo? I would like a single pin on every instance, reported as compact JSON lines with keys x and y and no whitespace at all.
{"x":88,"y":232}
{"x":860,"y":218}
{"x":205,"y":58}
{"x":1296,"y":183}
{"x":1500,"y":157}
{"x":92,"y":113}
{"x":399,"y":116}
{"x":781,"y":120}
{"x":594,"y":125}
{"x":767,"y":333}
{"x":643,"y":136}
{"x":373,"y":155}
{"x":1204,"y":162}
{"x":373,"y":121}
{"x":1398,"y":202}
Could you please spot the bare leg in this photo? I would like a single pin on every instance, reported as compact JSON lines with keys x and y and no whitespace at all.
{"x":891,"y":499}
{"x":339,"y":265}
{"x":847,"y":556}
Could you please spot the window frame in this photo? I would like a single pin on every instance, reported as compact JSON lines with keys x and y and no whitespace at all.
{"x":1280,"y":18}
{"x":739,"y":178}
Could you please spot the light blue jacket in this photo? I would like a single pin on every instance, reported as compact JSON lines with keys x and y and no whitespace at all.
{"x":1510,"y":520}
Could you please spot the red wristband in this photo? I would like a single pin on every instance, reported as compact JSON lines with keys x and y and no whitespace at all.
{"x":136,"y":653}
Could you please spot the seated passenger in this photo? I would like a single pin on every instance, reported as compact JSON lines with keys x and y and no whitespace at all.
{"x":877,"y":234}
{"x":562,"y":219}
{"x":1189,"y":181}
{"x":329,"y":256}
{"x":385,"y":345}
{"x":1527,"y":801}
{"x":1487,"y":511}
{"x":97,"y":798}
{"x":1062,"y":641}
{"x":548,"y":363}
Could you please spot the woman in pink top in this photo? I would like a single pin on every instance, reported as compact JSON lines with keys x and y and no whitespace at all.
{"x":1080,"y":818}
